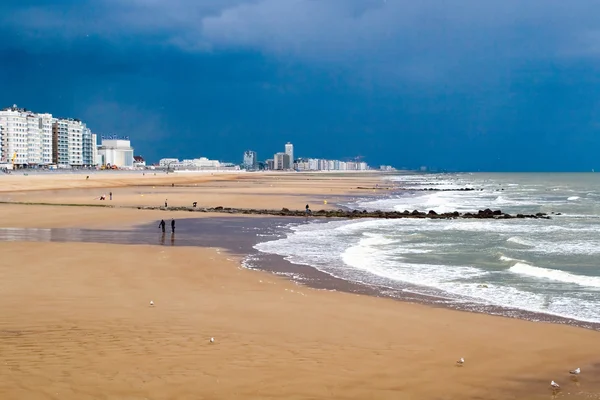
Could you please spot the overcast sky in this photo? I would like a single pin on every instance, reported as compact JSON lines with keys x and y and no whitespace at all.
{"x":462,"y":85}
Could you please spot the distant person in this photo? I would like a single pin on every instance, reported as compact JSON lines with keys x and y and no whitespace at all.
{"x":166,"y":204}
{"x":110,"y":194}
{"x":87,"y":177}
{"x":103,"y":197}
{"x":162,"y":224}
{"x":172,"y":226}
{"x":194,"y":204}
{"x":308,"y":210}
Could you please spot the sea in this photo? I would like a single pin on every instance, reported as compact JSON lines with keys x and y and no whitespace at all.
{"x":542,"y":266}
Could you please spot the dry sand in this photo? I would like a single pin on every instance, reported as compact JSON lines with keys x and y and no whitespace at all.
{"x":76,"y":324}
{"x":291,"y":190}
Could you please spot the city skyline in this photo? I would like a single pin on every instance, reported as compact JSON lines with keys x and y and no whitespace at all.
{"x":31,"y":139}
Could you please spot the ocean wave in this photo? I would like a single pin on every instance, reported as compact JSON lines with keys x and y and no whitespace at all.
{"x":555,"y":275}
{"x":465,"y":260}
{"x":520,"y":241}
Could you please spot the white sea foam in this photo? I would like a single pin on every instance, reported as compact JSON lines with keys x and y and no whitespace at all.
{"x":572,"y":198}
{"x":555,"y":275}
{"x":520,"y":241}
{"x":515,"y":259}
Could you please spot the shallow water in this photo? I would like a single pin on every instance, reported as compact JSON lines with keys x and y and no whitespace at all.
{"x":542,"y":266}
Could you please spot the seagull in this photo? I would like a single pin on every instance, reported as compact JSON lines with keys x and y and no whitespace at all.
{"x":554,"y":385}
{"x":575,"y":371}
{"x":151,"y":303}
{"x":461,"y":361}
{"x":212,"y":339}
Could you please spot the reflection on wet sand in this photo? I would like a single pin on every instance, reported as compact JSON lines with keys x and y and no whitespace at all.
{"x":235,"y":234}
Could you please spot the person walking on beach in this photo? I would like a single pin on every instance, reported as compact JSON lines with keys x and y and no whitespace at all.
{"x":166,"y":204}
{"x":110,"y":194}
{"x":172,"y":226}
{"x":162,"y":225}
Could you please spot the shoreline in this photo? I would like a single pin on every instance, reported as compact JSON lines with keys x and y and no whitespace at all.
{"x":239,"y":235}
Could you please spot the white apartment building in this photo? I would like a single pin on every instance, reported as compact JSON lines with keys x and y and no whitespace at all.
{"x":289,"y":150}
{"x":1,"y":148}
{"x":26,"y":137}
{"x":314,"y":164}
{"x":69,"y":138}
{"x":165,"y":162}
{"x":95,"y":157}
{"x":193,"y":164}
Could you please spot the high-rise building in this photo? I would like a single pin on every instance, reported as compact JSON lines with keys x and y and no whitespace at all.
{"x":250,"y":161}
{"x":68,"y":142}
{"x":289,"y":150}
{"x":87,"y":150}
{"x":73,"y":143}
{"x":95,"y":157}
{"x":26,"y":137}
{"x":281,"y":161}
{"x":1,"y":137}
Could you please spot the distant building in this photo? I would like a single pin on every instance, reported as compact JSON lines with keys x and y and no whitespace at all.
{"x":289,"y":150}
{"x":25,"y":137}
{"x":139,"y":162}
{"x":193,"y":164}
{"x":116,"y":152}
{"x":281,"y":161}
{"x":72,"y":143}
{"x":250,"y":161}
{"x":88,"y":145}
{"x":165,"y":162}
{"x":95,"y":157}
{"x":270,"y":164}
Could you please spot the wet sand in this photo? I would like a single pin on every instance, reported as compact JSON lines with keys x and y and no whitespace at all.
{"x":238,"y":235}
{"x":76,"y":324}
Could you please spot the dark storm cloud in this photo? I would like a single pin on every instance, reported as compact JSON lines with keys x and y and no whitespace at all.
{"x":425,"y":76}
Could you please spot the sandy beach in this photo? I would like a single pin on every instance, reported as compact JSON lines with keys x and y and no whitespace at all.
{"x":77,"y":323}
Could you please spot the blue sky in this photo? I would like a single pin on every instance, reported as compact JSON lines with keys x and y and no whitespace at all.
{"x":511,"y":85}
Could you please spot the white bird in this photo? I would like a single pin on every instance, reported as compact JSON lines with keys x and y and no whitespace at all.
{"x":554,"y":385}
{"x":212,"y":339}
{"x":461,"y":361}
{"x":575,"y":371}
{"x":151,"y":303}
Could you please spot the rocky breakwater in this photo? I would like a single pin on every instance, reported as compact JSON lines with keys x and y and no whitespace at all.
{"x":352,"y":214}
